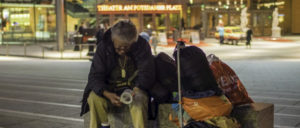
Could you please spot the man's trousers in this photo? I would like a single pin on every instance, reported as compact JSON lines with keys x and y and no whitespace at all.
{"x":99,"y":107}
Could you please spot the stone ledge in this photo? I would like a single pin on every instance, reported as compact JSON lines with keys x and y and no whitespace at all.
{"x":255,"y":115}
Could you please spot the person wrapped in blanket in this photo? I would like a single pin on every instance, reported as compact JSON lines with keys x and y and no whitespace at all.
{"x":204,"y":104}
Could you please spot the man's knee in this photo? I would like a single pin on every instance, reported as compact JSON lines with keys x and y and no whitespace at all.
{"x":93,"y":97}
{"x":140,"y":99}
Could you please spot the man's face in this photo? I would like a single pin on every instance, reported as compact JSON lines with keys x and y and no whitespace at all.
{"x":121,"y":47}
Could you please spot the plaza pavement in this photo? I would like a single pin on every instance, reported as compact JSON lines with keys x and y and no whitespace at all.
{"x":46,"y":93}
{"x":259,"y":48}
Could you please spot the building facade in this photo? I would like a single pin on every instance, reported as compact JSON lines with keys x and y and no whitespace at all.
{"x":27,"y":20}
{"x":34,"y":20}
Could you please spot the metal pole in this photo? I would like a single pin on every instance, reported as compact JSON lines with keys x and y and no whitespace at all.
{"x":179,"y":86}
{"x":25,"y":48}
{"x":60,"y":23}
{"x":61,"y":54}
{"x":1,"y":36}
{"x":80,"y":51}
{"x":7,"y":49}
{"x":43,"y":52}
{"x":34,"y":15}
{"x":97,"y":15}
{"x":1,"y":28}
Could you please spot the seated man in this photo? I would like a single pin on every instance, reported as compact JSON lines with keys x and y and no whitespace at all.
{"x":120,"y":54}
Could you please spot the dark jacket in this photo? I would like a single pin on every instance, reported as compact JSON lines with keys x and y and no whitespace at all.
{"x":249,"y":34}
{"x":105,"y":59}
{"x":195,"y":72}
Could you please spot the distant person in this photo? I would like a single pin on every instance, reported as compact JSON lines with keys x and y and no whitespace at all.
{"x":249,"y":37}
{"x":154,"y":41}
{"x":145,"y":35}
{"x":72,"y":34}
{"x":80,"y":29}
{"x":175,"y":34}
{"x":221,"y":33}
{"x":99,"y":34}
{"x":75,"y":28}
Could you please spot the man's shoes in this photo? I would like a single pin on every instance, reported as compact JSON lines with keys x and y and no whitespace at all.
{"x":105,"y":125}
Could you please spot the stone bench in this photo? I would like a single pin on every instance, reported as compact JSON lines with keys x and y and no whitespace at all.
{"x":257,"y":115}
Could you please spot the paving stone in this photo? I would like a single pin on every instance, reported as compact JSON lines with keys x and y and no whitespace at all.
{"x":73,"y":126}
{"x":292,"y":111}
{"x":286,"y":121}
{"x":264,"y":71}
{"x":10,"y":120}
{"x":64,"y":112}
{"x":37,"y":124}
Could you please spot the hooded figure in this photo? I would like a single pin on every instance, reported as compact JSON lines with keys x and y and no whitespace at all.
{"x":195,"y":72}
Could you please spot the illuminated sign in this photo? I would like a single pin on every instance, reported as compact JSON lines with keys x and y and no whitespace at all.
{"x":143,"y":8}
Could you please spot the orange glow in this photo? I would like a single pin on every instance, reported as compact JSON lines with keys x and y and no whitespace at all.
{"x":118,"y":8}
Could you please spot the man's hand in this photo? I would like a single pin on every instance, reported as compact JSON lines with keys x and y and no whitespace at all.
{"x":113,"y":97}
{"x":135,"y":90}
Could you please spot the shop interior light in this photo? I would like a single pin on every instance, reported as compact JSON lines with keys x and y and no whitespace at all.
{"x":268,"y":5}
{"x":238,"y":9}
{"x":14,"y":5}
{"x":235,"y":2}
{"x":220,"y":3}
{"x":5,"y":13}
{"x":191,"y":1}
{"x":228,"y":2}
{"x":19,"y":16}
{"x":148,"y":26}
{"x":202,"y":5}
{"x":281,"y":18}
{"x":217,"y":9}
{"x":270,"y":17}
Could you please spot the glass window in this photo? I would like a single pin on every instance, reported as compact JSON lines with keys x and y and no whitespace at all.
{"x":174,"y":19}
{"x":119,"y":16}
{"x":160,"y":21}
{"x":45,"y":28}
{"x":147,"y":21}
{"x":235,"y":19}
{"x":134,"y":18}
{"x":19,"y":25}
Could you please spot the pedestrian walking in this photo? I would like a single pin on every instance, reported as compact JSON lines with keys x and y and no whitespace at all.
{"x":221,"y":33}
{"x":81,"y":28}
{"x":249,"y":37}
{"x":175,"y":34}
{"x":154,"y":41}
{"x":145,"y":35}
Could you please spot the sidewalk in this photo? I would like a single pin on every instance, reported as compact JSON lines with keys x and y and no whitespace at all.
{"x":48,"y":51}
{"x":284,"y":39}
